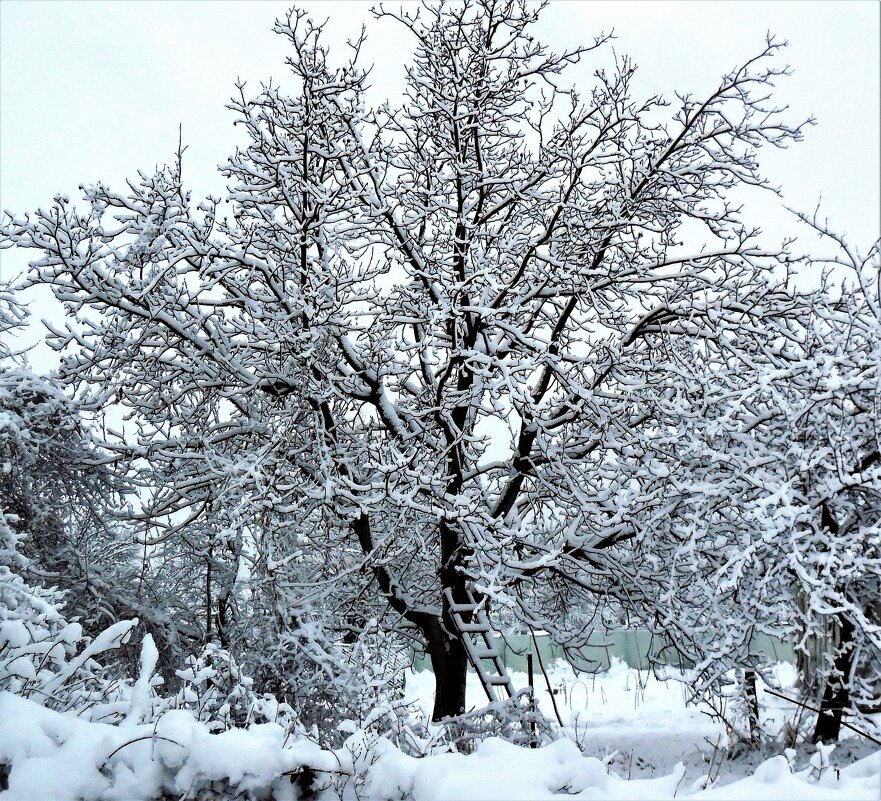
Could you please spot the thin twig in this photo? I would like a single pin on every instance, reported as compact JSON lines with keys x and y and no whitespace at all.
{"x":115,"y":751}
{"x":824,"y":712}
{"x":712,"y":760}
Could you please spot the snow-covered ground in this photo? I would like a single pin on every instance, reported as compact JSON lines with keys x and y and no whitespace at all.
{"x":630,"y":736}
{"x":642,"y":728}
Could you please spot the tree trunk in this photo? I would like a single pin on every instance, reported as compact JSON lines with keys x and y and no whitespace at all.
{"x":449,"y":661}
{"x":751,"y":695}
{"x":209,"y":615}
{"x":836,"y":696}
{"x":222,"y":616}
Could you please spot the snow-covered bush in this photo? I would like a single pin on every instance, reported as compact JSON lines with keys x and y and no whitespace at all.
{"x":218,"y":693}
{"x":43,"y":485}
{"x":59,"y":757}
{"x":45,"y":658}
{"x":753,"y":504}
{"x":325,"y":677}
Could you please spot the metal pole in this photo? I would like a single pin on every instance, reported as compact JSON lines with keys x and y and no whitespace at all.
{"x":533,"y":740}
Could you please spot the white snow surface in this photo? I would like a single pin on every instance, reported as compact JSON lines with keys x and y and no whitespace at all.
{"x":629,"y":736}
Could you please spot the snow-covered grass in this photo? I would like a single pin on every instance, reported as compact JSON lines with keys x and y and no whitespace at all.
{"x":628,"y":736}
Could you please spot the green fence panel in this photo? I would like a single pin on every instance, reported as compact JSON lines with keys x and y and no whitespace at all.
{"x":637,"y":648}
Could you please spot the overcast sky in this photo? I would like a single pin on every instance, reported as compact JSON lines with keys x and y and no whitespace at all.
{"x":96,"y":90}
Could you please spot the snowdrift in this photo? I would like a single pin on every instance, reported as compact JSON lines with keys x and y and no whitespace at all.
{"x":50,"y":755}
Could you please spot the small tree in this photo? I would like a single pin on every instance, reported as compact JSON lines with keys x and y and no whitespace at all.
{"x":43,"y":655}
{"x":832,"y":412}
{"x":757,"y":509}
{"x":397,"y":284}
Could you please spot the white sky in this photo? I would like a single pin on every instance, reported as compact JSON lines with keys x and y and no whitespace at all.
{"x":96,"y":90}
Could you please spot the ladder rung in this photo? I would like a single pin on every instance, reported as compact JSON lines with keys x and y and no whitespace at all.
{"x":486,"y":653}
{"x":499,"y":681}
{"x":472,"y":628}
{"x":469,"y":606}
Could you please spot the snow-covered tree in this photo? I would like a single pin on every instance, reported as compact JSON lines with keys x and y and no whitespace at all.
{"x":755,"y":508}
{"x":425,"y":324}
{"x":828,"y":499}
{"x":63,"y":512}
{"x":43,"y":489}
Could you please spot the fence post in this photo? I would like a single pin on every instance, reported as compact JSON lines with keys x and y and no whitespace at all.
{"x":532,"y":738}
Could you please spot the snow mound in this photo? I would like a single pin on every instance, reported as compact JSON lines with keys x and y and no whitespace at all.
{"x":50,"y":755}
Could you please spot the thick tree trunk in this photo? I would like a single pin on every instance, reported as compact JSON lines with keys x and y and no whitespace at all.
{"x":449,"y":661}
{"x":836,"y":696}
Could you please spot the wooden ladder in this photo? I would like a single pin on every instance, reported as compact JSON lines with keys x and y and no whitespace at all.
{"x":476,"y":636}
